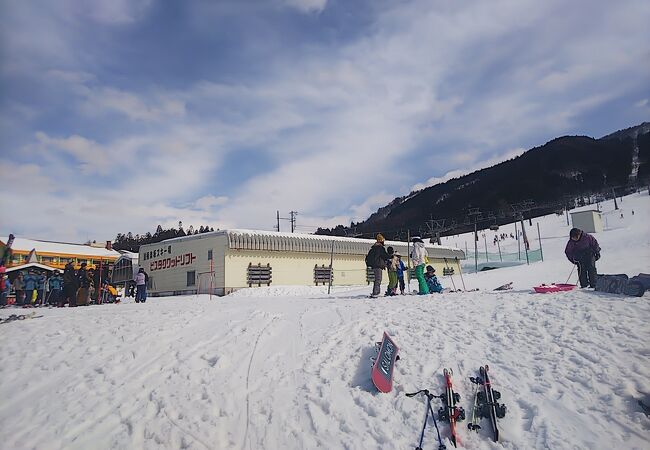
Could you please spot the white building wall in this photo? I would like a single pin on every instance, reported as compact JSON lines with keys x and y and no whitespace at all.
{"x":588,"y":221}
{"x":169,"y":262}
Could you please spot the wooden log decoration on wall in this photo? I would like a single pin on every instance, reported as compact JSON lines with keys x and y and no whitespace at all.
{"x":259,"y":275}
{"x":322,"y":274}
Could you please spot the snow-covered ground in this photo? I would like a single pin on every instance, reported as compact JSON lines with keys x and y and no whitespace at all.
{"x":288,"y":368}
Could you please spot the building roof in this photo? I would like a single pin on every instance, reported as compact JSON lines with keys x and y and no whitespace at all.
{"x":31,"y":266}
{"x":26,"y":245}
{"x":298,"y":242}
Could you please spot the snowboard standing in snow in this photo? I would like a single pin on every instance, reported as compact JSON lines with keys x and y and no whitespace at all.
{"x":450,"y":412}
{"x":382,"y":369}
{"x":485,"y":403}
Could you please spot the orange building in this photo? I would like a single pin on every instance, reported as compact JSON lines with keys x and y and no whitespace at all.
{"x":58,"y":254}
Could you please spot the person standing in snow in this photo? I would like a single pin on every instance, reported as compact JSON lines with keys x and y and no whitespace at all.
{"x":141,"y":279}
{"x":583,"y":250}
{"x":56,"y":286}
{"x":19,"y":287}
{"x":400,"y":273}
{"x":418,"y":257}
{"x":391,"y":265}
{"x":40,"y":289}
{"x":376,"y":259}
{"x":432,"y":281}
{"x":84,"y":285}
{"x":30,"y":285}
{"x":69,"y":285}
{"x":4,"y":286}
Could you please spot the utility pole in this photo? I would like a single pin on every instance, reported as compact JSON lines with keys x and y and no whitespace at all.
{"x":291,"y":218}
{"x":293,"y":215}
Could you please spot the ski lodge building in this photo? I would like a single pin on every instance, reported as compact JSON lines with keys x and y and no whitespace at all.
{"x":224,"y":261}
{"x":57,"y":254}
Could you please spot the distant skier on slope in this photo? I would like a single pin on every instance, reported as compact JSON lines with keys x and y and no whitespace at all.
{"x":583,"y":250}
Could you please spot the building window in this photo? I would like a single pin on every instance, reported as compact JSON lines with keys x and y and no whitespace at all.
{"x":209,"y":255}
{"x":191,"y":278}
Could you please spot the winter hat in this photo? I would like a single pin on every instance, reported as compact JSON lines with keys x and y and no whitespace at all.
{"x":430,"y":269}
{"x":397,"y":254}
{"x":380,"y":238}
{"x":417,"y":239}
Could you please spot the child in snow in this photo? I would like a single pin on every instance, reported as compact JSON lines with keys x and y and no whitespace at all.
{"x":400,"y":273}
{"x":432,"y":281}
{"x":391,"y":264}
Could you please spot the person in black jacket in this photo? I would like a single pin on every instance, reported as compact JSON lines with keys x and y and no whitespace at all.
{"x":69,"y":285}
{"x":376,"y":259}
{"x":84,"y":285}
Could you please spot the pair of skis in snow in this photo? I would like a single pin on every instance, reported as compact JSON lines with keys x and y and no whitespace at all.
{"x":450,"y":411}
{"x":485,"y":406}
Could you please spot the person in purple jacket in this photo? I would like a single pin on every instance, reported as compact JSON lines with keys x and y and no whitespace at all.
{"x":583,"y":250}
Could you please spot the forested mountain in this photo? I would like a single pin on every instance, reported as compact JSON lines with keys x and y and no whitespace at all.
{"x":561,"y":172}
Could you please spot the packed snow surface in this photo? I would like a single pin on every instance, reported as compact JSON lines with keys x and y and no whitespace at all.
{"x":289,"y":368}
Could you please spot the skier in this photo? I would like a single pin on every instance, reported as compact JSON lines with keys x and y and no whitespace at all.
{"x":56,"y":285}
{"x":583,"y":250}
{"x":141,"y":279}
{"x":418,"y":256}
{"x":400,"y":273}
{"x":376,"y":259}
{"x":391,"y":265}
{"x":432,"y":281}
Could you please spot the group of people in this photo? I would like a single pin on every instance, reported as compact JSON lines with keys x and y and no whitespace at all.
{"x":380,"y":258}
{"x":75,"y":287}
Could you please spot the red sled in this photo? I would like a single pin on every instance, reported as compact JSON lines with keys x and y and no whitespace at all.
{"x":559,"y":287}
{"x":382,"y":369}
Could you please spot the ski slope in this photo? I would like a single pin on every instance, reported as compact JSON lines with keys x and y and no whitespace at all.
{"x":288,"y":367}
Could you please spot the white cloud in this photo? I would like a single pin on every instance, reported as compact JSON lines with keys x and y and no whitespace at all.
{"x":136,"y":107}
{"x":210,"y":201}
{"x":307,"y":6}
{"x":91,"y":156}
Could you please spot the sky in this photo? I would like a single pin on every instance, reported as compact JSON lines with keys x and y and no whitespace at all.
{"x":121,"y":115}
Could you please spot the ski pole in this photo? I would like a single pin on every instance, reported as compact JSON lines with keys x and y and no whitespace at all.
{"x":429,"y":410}
{"x":450,"y":275}
{"x":572,"y":269}
{"x":460,"y":271}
